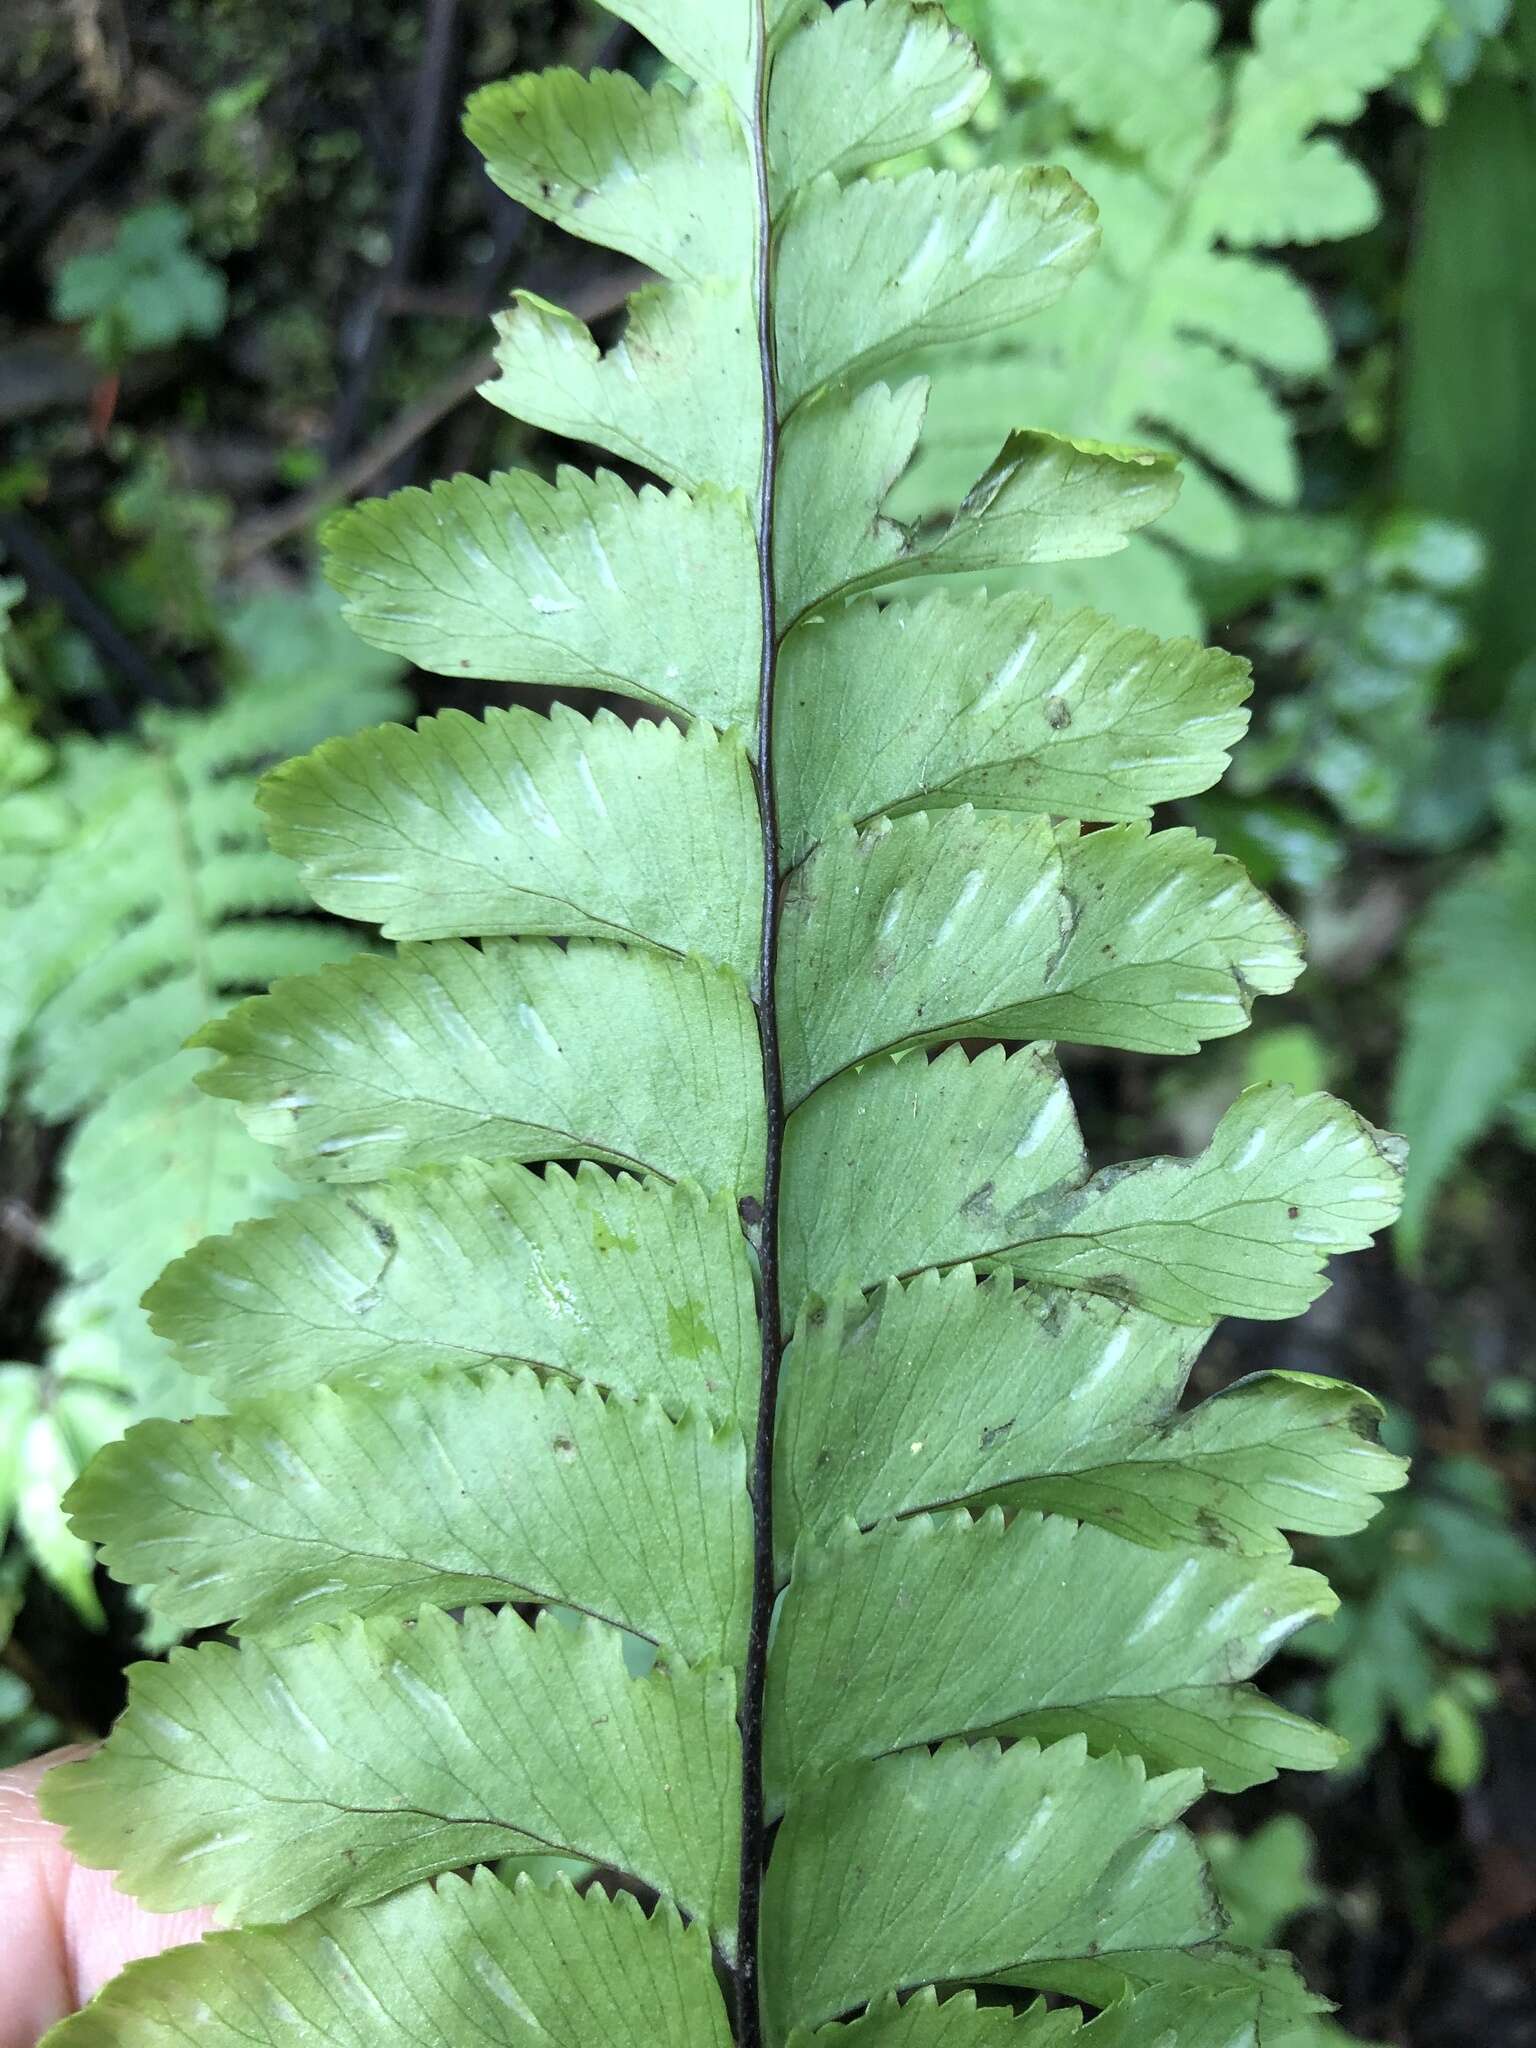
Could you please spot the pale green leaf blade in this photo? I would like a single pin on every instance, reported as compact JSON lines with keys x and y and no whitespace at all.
{"x":444,"y":1050}
{"x":1143,"y":586}
{"x":972,"y":408}
{"x":299,"y":1510}
{"x":1274,"y":191}
{"x":453,"y":1268}
{"x":1044,"y":498}
{"x":875,"y":1422}
{"x":1277,"y":1450}
{"x":907,"y":1163}
{"x":517,"y":824}
{"x":1170,"y":943}
{"x":900,"y":934}
{"x":930,"y":258}
{"x":582,"y":582}
{"x":922,"y":2022}
{"x":1233,"y":1735}
{"x":1007,"y":703}
{"x":1312,"y":66}
{"x":1307,"y":65}
{"x":270,"y":1782}
{"x":968,"y":924}
{"x":639,"y":399}
{"x":535,"y":1967}
{"x":1134,"y":1934}
{"x":1286,"y":1182}
{"x":714,"y":41}
{"x":864,"y":82}
{"x":1194,"y":2019}
{"x":1049,"y":499}
{"x":981,"y":1152}
{"x":1040,"y":1832}
{"x":1068,"y":1403}
{"x":911,"y":1633}
{"x":662,"y":175}
{"x":841,"y":453}
{"x":477,"y":1264}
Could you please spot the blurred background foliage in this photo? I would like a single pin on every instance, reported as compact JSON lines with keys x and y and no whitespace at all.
{"x":246,"y":267}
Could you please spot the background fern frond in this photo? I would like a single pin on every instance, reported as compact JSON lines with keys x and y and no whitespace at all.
{"x":157,"y":902}
{"x":510,"y":1387}
{"x":1199,"y":161}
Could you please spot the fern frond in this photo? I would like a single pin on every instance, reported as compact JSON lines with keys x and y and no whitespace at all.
{"x":148,"y":916}
{"x":1198,"y":162}
{"x":157,"y":902}
{"x":884,"y":1619}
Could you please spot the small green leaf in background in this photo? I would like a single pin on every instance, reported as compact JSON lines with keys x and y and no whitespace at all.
{"x":1361,"y":644}
{"x":25,"y":1729}
{"x":24,"y":757}
{"x":1470,"y":1022}
{"x":1423,"y":1588}
{"x":1290,"y":1055}
{"x":1265,"y":1879}
{"x":40,"y":1457}
{"x":1276,"y":841}
{"x":146,"y":290}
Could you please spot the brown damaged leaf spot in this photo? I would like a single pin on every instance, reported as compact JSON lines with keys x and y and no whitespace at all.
{"x":381,"y":1231}
{"x":1116,"y":1287}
